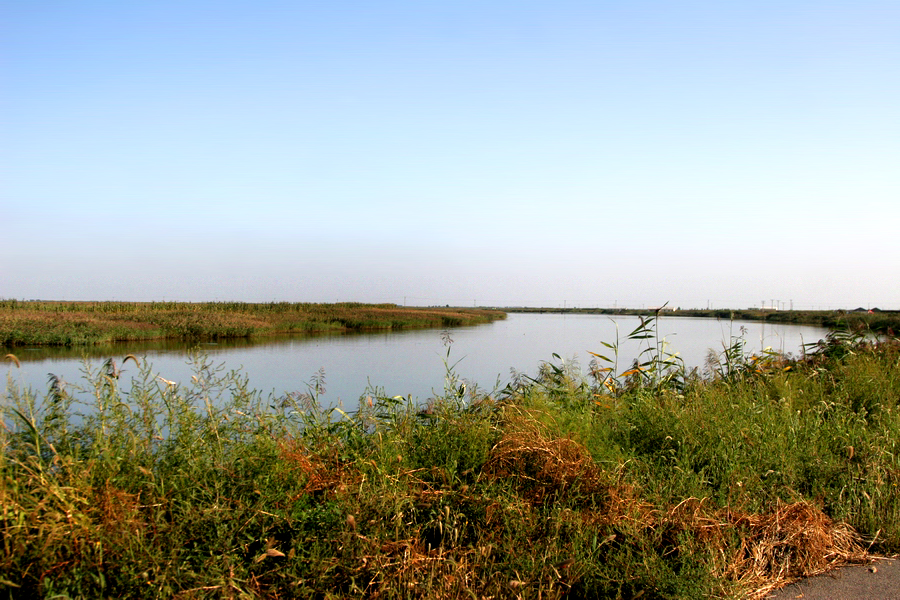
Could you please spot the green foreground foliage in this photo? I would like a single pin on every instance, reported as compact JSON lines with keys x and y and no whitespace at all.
{"x":616,"y":483}
{"x":80,"y":323}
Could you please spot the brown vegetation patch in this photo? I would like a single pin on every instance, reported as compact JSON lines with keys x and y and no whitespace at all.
{"x":117,"y":511}
{"x":322,"y":473}
{"x":544,"y":466}
{"x":795,"y":540}
{"x":422,"y":572}
{"x":541,"y":465}
{"x":409,"y":565}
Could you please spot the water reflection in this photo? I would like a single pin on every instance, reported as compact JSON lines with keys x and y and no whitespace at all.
{"x":162,"y":346}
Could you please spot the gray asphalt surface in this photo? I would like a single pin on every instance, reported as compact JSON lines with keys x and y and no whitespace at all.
{"x":879,"y":580}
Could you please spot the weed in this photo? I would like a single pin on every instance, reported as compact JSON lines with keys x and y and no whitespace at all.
{"x":655,"y":368}
{"x":650,"y":484}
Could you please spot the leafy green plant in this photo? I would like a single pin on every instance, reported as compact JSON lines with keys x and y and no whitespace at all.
{"x":655,"y":368}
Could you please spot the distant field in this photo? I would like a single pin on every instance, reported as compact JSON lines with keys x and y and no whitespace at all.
{"x":880,"y":321}
{"x":81,"y":323}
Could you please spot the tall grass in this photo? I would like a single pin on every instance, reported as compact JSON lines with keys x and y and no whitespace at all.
{"x":610,"y":484}
{"x":80,"y":323}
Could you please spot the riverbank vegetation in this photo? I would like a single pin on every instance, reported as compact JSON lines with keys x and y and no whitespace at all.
{"x":81,"y":323}
{"x":876,"y":321}
{"x":609,"y":481}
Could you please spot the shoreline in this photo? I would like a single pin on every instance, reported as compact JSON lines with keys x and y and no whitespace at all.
{"x":877,"y":321}
{"x":73,"y":324}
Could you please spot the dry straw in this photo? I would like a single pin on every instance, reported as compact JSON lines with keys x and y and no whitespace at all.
{"x":793,"y":541}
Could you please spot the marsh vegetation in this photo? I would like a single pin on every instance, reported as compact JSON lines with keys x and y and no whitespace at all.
{"x":625,"y":479}
{"x":876,"y":320}
{"x":80,"y":323}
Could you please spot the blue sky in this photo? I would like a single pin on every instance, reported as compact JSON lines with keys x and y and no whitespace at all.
{"x":498,"y":153}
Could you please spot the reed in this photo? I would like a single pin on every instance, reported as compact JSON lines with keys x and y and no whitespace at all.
{"x":877,"y":321}
{"x":88,"y":323}
{"x":608,"y":484}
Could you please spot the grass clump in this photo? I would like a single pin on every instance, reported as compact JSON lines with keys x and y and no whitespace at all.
{"x":645,"y":481}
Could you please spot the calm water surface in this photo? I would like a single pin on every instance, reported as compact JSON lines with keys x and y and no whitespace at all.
{"x":413,"y":362}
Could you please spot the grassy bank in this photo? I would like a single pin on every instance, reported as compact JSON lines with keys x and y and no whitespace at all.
{"x":80,"y":323}
{"x":616,"y":482}
{"x":887,"y":322}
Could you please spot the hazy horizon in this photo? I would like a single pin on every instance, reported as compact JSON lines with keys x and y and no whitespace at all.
{"x":496,"y":154}
{"x":768,"y":305}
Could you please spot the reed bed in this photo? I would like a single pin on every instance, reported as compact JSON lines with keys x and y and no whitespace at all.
{"x":642,"y":481}
{"x":82,"y":323}
{"x":877,"y":321}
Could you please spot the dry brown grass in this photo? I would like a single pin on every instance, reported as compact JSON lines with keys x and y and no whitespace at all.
{"x":321,"y":472}
{"x":117,"y":512}
{"x":541,"y":465}
{"x":794,"y":540}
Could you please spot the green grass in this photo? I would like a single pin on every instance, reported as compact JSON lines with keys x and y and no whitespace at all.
{"x":83,"y":323}
{"x":605,"y":485}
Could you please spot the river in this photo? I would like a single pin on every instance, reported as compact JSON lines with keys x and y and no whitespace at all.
{"x":413,"y":363}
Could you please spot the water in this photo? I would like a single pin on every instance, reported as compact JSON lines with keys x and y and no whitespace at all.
{"x":413,"y":363}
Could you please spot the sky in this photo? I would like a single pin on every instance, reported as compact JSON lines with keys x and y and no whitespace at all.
{"x":490,"y":153}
